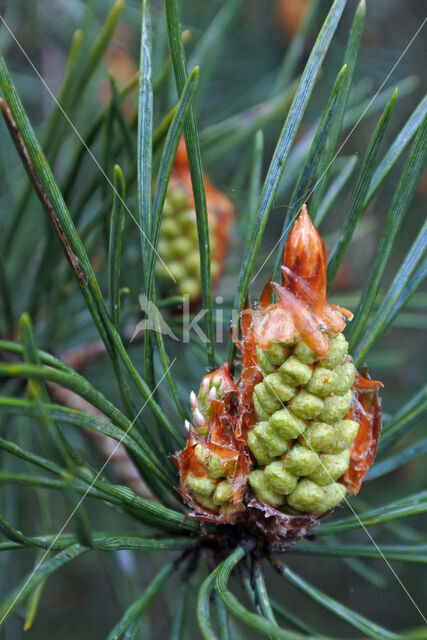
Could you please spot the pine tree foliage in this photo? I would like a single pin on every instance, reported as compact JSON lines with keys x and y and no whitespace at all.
{"x":68,"y":283}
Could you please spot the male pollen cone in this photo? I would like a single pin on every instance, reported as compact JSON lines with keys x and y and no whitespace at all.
{"x":179,"y":243}
{"x":297,"y":432}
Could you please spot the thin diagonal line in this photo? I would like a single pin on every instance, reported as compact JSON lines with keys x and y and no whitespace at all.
{"x":386,"y":561}
{"x":86,"y":493}
{"x":306,"y":196}
{"x":82,"y":141}
{"x":306,"y":442}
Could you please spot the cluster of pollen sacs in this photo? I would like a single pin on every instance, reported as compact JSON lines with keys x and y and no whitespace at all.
{"x":300,"y":447}
{"x":214,"y":489}
{"x":178,"y":245}
{"x":298,"y":430}
{"x":301,"y":444}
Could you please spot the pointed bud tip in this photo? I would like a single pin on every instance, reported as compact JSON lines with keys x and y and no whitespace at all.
{"x":25,"y":320}
{"x":77,"y":36}
{"x":193,"y":400}
{"x":212,"y":394}
{"x":199,"y":418}
{"x":304,"y":251}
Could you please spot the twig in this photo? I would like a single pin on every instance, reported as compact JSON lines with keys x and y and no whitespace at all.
{"x":76,"y":358}
{"x":20,"y":146}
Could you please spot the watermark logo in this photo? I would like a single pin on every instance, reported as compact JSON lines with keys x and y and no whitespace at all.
{"x":153,"y":320}
{"x":192,"y":322}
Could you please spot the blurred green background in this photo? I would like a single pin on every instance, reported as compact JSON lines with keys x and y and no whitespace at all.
{"x":84,"y":600}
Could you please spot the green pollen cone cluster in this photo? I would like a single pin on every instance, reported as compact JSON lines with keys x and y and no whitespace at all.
{"x":214,"y":489}
{"x":179,"y":246}
{"x":301,"y":445}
